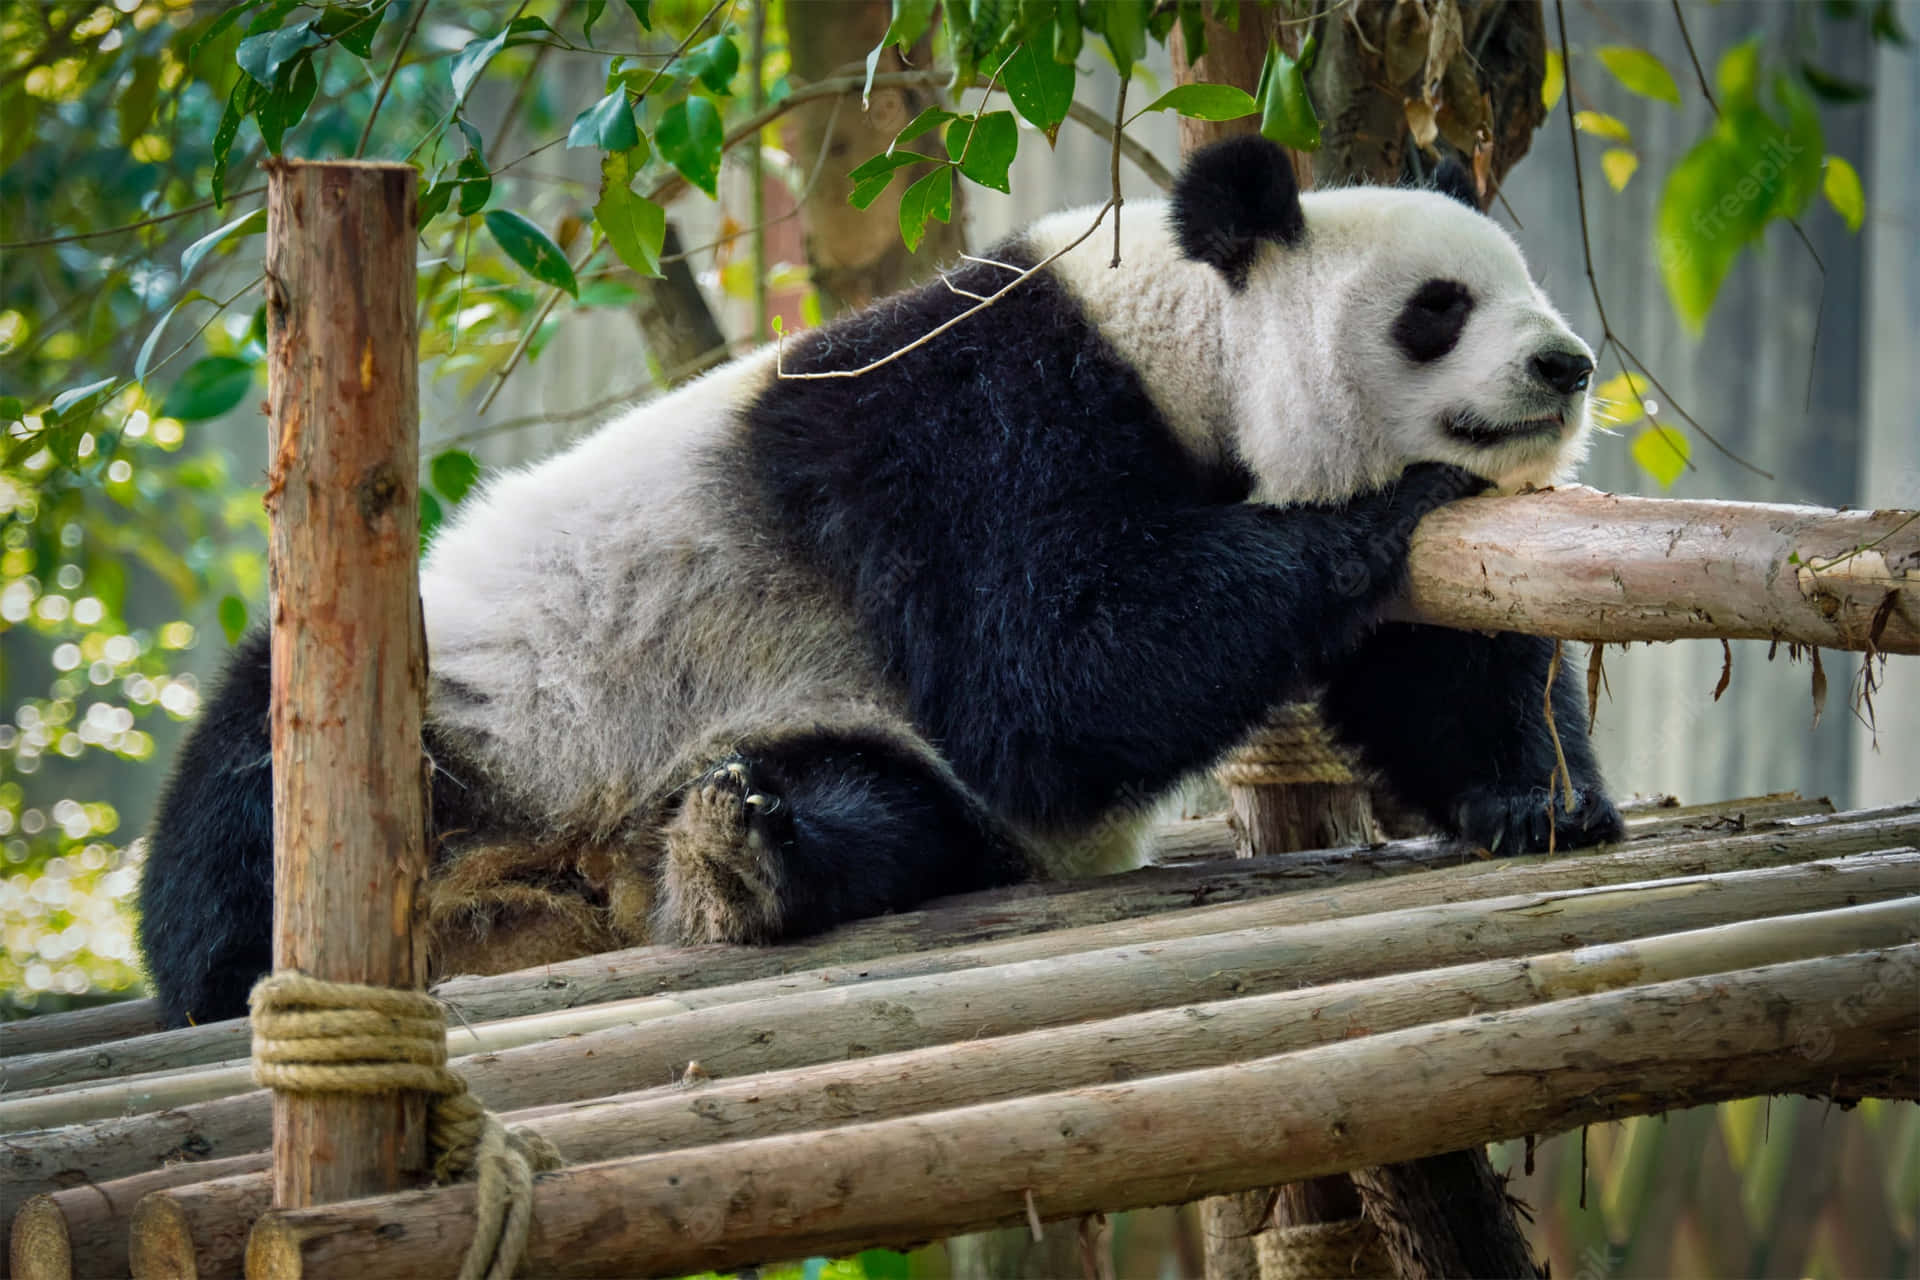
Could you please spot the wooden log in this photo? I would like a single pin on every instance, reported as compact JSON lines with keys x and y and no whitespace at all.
{"x":1580,"y":564}
{"x":51,"y":1032}
{"x":798,"y":1027}
{"x":197,"y":1232}
{"x":349,"y":651}
{"x":203,"y":1225}
{"x":1014,"y":912}
{"x":646,"y":967}
{"x":1369,"y":1101}
{"x":82,"y":1231}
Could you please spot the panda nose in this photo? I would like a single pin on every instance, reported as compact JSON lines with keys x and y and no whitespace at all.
{"x":1564,"y":371}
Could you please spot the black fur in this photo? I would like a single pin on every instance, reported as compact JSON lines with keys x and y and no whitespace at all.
{"x":1079,"y":613}
{"x":1231,"y":197}
{"x":1431,"y":321}
{"x":1452,"y":179}
{"x":206,"y":895}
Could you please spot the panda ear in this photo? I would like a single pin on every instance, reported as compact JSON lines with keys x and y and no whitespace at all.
{"x":1231,"y":196}
{"x":1452,"y":179}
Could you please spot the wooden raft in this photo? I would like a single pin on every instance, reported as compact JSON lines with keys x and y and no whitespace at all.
{"x":1051,"y":1049}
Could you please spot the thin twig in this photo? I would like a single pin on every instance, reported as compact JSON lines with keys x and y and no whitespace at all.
{"x":1699,"y":73}
{"x":757,"y":171}
{"x":158,"y":218}
{"x":1113,"y":164}
{"x":461,"y":101}
{"x":393,"y":69}
{"x":1142,"y":159}
{"x":935,"y":332}
{"x":806,"y":191}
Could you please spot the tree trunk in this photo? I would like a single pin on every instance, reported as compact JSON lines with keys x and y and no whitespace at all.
{"x":857,"y":255}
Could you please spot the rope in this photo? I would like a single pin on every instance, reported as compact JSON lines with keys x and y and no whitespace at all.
{"x":1318,"y":1250}
{"x":1293,"y":746}
{"x":311,"y":1036}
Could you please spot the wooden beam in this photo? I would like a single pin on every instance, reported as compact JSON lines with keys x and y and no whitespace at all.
{"x":1171,"y":1138}
{"x":349,"y":652}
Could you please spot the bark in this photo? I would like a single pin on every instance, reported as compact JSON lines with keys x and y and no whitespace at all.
{"x":193,"y":1222}
{"x":1584,"y":565}
{"x":857,"y":255}
{"x":1193,"y":870}
{"x":82,"y":1231}
{"x":80,"y":1029}
{"x":737,"y":1036}
{"x":197,"y":1232}
{"x":1351,"y":1104}
{"x":681,"y":334}
{"x":349,"y":651}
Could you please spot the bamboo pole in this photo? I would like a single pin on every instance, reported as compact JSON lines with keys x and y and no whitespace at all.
{"x":349,"y":652}
{"x":798,"y":1027}
{"x":1159,"y":1042}
{"x":1373,"y":1100}
{"x":1580,"y":564}
{"x":983,"y":916}
{"x":82,"y":1231}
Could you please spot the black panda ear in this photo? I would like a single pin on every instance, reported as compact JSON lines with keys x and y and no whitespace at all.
{"x":1231,"y":196}
{"x":1452,"y":179}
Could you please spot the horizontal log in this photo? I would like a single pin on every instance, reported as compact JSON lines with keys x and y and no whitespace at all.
{"x":116,"y":1025}
{"x":201,"y":1224}
{"x":82,"y":1231}
{"x":963,"y":919}
{"x":1374,"y":1100}
{"x":791,"y":1027}
{"x":1580,"y":564}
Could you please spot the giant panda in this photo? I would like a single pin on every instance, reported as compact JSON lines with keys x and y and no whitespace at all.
{"x":780,"y":650}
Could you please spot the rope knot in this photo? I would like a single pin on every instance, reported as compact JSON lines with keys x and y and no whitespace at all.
{"x":311,"y":1036}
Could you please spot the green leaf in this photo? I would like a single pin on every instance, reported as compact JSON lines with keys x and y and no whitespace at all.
{"x":928,"y":120}
{"x":1620,"y":400}
{"x":929,"y":198}
{"x":12,"y":409}
{"x":633,"y":224}
{"x":135,"y":105}
{"x":453,"y":474}
{"x":715,"y":63}
{"x":220,"y":26}
{"x":266,"y":55}
{"x":528,"y":31}
{"x":247,"y":224}
{"x":1844,"y":192}
{"x":1703,"y":222}
{"x":594,"y":9}
{"x":1067,"y":35}
{"x":607,"y":124}
{"x":80,"y":396}
{"x":239,"y":103}
{"x":986,"y":148}
{"x":1040,"y":88}
{"x":640,"y":13}
{"x":1555,"y":82}
{"x":1640,"y":72}
{"x":1619,"y":163}
{"x":1124,"y":24}
{"x":476,"y":184}
{"x":1886,"y":27}
{"x":689,"y":136}
{"x":1832,"y":88}
{"x":1662,"y":453}
{"x":210,"y":387}
{"x":529,"y":246}
{"x":1193,"y":30}
{"x":284,"y":107}
{"x":1738,"y":75}
{"x":1803,"y":147}
{"x":142,"y":360}
{"x":431,"y":517}
{"x":353,"y":29}
{"x":1602,"y":125}
{"x":233,"y":618}
{"x":874,"y":176}
{"x":1286,"y":112}
{"x":910,"y":21}
{"x":433,"y":201}
{"x":473,"y":59}
{"x":1205,"y":102}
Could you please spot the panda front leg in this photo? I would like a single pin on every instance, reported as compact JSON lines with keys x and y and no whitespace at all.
{"x":1456,"y":721}
{"x":803,"y":828}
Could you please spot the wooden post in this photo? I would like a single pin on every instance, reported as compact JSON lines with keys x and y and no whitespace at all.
{"x":349,"y":653}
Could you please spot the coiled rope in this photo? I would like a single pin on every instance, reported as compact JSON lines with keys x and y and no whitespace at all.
{"x":1317,"y":1250}
{"x":1293,"y":746}
{"x":311,"y":1036}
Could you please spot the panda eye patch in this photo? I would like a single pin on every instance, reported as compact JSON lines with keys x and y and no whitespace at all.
{"x":1431,"y":322}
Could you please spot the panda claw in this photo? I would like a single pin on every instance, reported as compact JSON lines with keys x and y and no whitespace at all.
{"x":737,"y":771}
{"x":759,"y":801}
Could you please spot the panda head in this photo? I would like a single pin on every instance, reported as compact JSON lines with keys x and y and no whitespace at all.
{"x":1370,"y":327}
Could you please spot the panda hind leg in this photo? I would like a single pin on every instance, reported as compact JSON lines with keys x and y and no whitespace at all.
{"x":798,"y":830}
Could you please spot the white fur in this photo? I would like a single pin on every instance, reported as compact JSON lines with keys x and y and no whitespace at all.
{"x":1298,"y":372}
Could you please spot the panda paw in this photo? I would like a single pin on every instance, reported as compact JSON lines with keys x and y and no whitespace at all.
{"x":721,"y":878}
{"x":1427,"y":485}
{"x":1506,"y":821}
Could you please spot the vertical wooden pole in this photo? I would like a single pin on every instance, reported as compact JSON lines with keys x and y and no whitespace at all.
{"x":349,"y":654}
